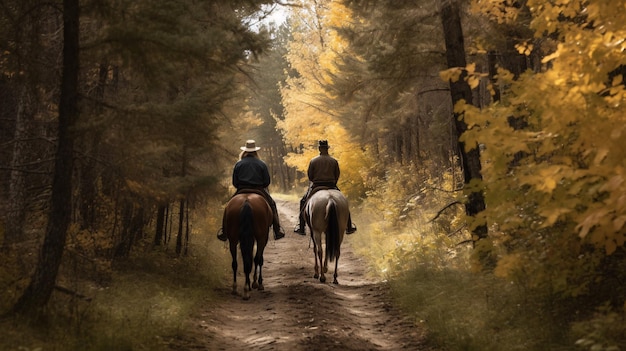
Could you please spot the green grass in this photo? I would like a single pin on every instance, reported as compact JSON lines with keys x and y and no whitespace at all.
{"x":147,"y":301}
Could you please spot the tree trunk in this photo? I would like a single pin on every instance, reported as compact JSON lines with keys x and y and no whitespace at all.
{"x":168,"y":225}
{"x":131,"y":229}
{"x":187,"y":231}
{"x":460,"y":90}
{"x":38,"y":292}
{"x":160,"y":225}
{"x":88,"y":170}
{"x":181,"y":220}
{"x":16,"y":213}
{"x":181,"y":213}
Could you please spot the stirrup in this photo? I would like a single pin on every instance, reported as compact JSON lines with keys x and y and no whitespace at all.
{"x":299,"y":230}
{"x":220,"y":235}
{"x":351,"y":230}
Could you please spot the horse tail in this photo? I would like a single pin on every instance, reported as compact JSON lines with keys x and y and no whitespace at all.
{"x":246,"y":236}
{"x":332,"y":232}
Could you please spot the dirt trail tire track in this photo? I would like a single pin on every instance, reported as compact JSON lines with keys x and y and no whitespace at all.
{"x":297,"y":312}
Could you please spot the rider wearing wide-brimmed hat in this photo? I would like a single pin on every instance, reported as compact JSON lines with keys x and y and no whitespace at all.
{"x":250,"y":172}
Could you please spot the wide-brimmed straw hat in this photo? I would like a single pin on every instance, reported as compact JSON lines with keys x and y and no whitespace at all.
{"x":250,"y":146}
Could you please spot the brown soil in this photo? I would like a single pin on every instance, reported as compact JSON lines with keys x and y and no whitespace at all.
{"x":297,"y":312}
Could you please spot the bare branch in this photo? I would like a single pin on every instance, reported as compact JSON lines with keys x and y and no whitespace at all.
{"x":468,"y":241}
{"x":72,"y":293}
{"x":457,"y":231}
{"x":445,"y":208}
{"x":444,"y":190}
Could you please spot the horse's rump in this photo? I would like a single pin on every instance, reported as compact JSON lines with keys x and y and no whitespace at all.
{"x":247,"y":219}
{"x":318,"y":206}
{"x":327,"y":212}
{"x":260,"y":210}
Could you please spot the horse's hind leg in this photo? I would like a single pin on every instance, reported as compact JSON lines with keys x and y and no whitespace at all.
{"x":234,"y":265}
{"x":335,"y":273}
{"x":247,"y":269}
{"x":258,"y":263}
{"x":316,"y":254}
{"x":255,"y":284}
{"x":247,"y":286}
{"x":323,"y":269}
{"x":325,"y":265}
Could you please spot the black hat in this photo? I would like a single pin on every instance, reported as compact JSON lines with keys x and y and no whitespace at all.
{"x":323,"y":143}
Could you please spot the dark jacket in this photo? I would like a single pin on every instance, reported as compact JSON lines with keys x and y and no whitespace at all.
{"x":323,"y":170}
{"x":251,"y":172}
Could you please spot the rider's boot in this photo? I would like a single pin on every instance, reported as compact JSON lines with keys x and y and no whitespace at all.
{"x":221,"y":235}
{"x":279,"y":233}
{"x":351,"y":227}
{"x":300,"y":227}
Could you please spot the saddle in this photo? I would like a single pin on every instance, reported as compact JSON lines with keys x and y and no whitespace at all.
{"x":252,"y":191}
{"x":314,"y":190}
{"x":318,"y":188}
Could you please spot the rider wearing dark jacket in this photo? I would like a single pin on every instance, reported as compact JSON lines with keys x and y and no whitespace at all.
{"x":251,"y":173}
{"x":323,"y":171}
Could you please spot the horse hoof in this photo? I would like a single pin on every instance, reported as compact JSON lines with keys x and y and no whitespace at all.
{"x":335,"y":282}
{"x":323,"y":279}
{"x":316,"y":275}
{"x":261,"y":287}
{"x":255,"y":285}
{"x":246,"y":297}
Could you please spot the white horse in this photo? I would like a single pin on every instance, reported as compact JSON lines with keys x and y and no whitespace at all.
{"x":326,"y":212}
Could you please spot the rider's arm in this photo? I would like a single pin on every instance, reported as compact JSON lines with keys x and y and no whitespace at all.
{"x":236,"y":177}
{"x":266,"y":176}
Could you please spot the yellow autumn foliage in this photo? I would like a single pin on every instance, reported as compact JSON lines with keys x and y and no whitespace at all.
{"x":558,"y":183}
{"x":308,"y":117}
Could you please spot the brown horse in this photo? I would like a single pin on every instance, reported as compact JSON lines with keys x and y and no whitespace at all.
{"x":326,"y":212}
{"x":247,"y":219}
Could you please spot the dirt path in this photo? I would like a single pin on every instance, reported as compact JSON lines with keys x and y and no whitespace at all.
{"x":297,"y":312}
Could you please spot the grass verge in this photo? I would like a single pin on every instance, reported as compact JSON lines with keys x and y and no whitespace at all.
{"x":147,"y":301}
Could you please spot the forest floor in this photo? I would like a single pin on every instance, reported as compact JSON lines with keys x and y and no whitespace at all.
{"x":297,"y":312}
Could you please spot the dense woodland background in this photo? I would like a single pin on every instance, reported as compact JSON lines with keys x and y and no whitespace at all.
{"x":480,"y":144}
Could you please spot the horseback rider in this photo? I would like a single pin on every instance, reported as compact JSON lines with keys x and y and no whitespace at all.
{"x":251,"y":173}
{"x":323,"y":171}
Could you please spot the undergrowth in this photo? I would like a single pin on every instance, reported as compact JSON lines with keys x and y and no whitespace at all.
{"x":432,"y":280}
{"x":431,"y":266}
{"x":144,"y":303}
{"x":474,"y":311}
